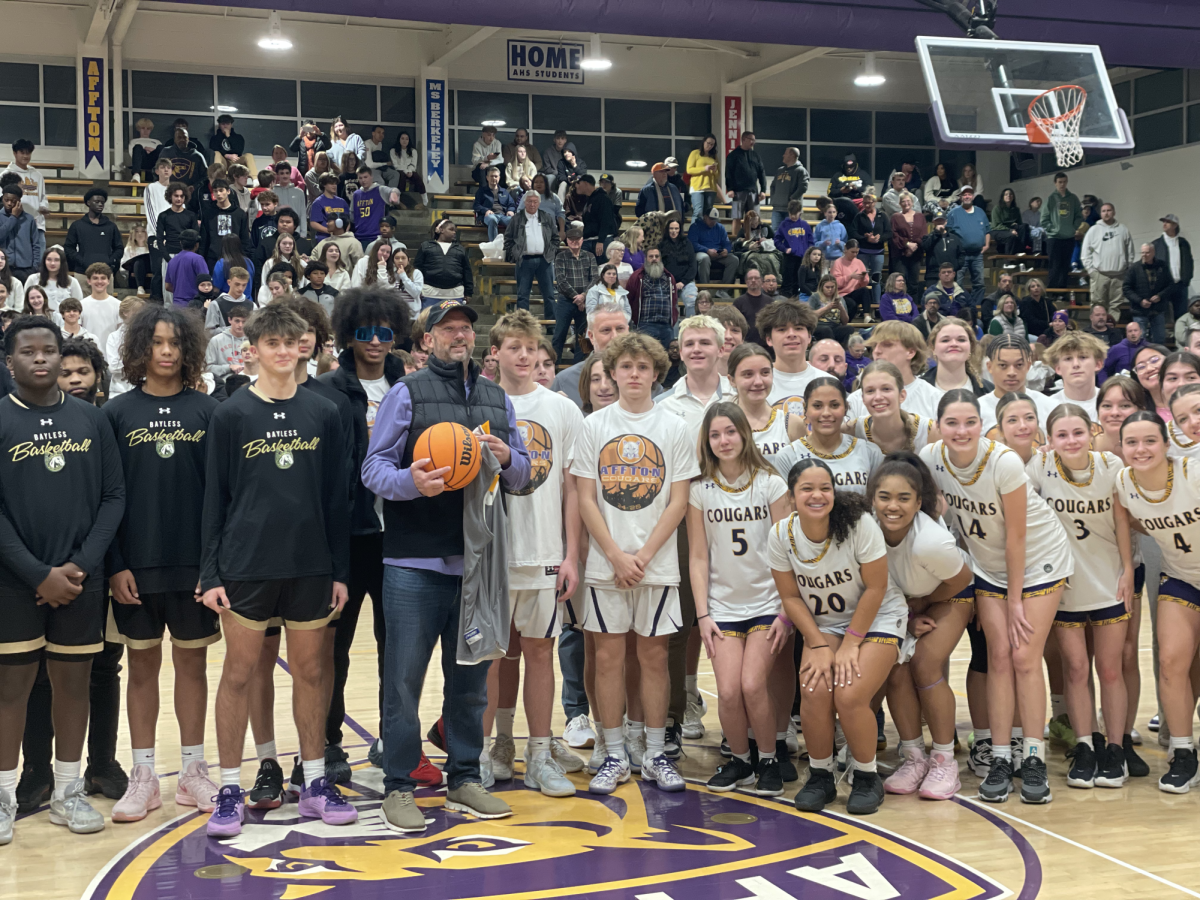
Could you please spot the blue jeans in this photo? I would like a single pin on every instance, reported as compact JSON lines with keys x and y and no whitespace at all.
{"x":661,"y":333}
{"x":973,"y":264}
{"x":493,"y":223}
{"x":570,"y":661}
{"x":688,"y":296}
{"x":777,"y":217}
{"x":1154,"y":326}
{"x":542,"y":269}
{"x":874,"y":264}
{"x":702,"y":202}
{"x":567,"y":313}
{"x":419,"y":607}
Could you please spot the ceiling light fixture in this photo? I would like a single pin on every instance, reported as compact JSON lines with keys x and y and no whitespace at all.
{"x":635,"y":163}
{"x":274,"y":39}
{"x":869,"y":77}
{"x":225,"y":108}
{"x":494,"y":123}
{"x":595,"y":60}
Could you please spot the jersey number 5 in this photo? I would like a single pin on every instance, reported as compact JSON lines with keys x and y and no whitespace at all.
{"x":740,"y":547}
{"x":837,"y":603}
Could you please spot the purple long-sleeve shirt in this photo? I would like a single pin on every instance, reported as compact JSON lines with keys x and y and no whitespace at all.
{"x":383,"y":475}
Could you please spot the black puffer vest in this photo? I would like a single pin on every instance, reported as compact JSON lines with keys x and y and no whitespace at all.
{"x":432,"y":526}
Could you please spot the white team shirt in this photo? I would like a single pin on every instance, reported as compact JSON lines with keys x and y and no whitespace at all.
{"x":1083,"y":502}
{"x":926,"y":557}
{"x":977,"y":516}
{"x":1171,"y":516}
{"x":737,"y":525}
{"x":1043,"y":403}
{"x":774,"y":437}
{"x":681,"y":402}
{"x":634,"y":459}
{"x":920,"y":397}
{"x":862,"y":429}
{"x":1181,"y":444}
{"x":787,"y":388}
{"x":549,"y":424}
{"x":101,"y":317}
{"x":852,"y":463}
{"x":829,"y":575}
{"x":376,"y":390}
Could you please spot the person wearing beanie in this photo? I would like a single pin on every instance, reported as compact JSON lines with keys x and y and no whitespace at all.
{"x":185,"y":269}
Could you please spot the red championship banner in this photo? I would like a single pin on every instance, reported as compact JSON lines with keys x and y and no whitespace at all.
{"x":733,"y":123}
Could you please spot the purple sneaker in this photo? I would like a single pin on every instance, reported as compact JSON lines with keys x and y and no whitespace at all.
{"x":322,"y":800}
{"x":226,"y":820}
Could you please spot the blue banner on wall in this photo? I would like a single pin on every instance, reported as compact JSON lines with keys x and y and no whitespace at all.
{"x":435,"y":130}
{"x":93,"y":110}
{"x":557,"y":63}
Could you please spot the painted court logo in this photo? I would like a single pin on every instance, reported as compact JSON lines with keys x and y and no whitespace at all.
{"x":541,"y":454}
{"x":636,"y":844}
{"x":632,"y":472}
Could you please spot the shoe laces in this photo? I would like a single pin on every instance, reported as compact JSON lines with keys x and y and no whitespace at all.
{"x":227,"y":800}
{"x":1033,"y":772}
{"x":1179,"y":762}
{"x":611,"y":767}
{"x":329,"y":792}
{"x":1001,"y":768}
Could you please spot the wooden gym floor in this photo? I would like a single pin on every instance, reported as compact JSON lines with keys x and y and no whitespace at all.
{"x":1136,"y":842}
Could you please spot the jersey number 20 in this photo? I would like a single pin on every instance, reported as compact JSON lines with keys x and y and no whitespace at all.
{"x":837,"y":603}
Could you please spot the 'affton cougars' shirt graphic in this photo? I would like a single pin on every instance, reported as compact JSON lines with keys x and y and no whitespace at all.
{"x":162,"y":442}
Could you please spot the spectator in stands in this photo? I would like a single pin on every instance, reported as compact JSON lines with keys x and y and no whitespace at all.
{"x":226,"y":144}
{"x":1120,"y":357}
{"x":658,"y":194}
{"x":942,"y":246}
{"x":486,"y":154}
{"x":853,"y":281}
{"x":606,"y":289}
{"x":705,"y":173}
{"x":1101,"y":326}
{"x":940,"y":187}
{"x":494,"y":206}
{"x":829,"y":234}
{"x":752,"y":302}
{"x":755,"y":246}
{"x":20,"y":239}
{"x":312,"y":178}
{"x":570,"y":170}
{"x":520,"y":166}
{"x":969,"y":178}
{"x":608,"y":184}
{"x":615,"y":253}
{"x":1060,"y":218}
{"x":346,"y":141}
{"x":187,"y":165}
{"x":553,"y":154}
{"x":653,"y":299}
{"x":377,"y":159}
{"x":1032,"y":217}
{"x":745,"y":179}
{"x":1107,"y":255}
{"x":521,"y":139}
{"x":290,"y":196}
{"x":143,"y":150}
{"x":404,"y":158}
{"x":445,"y":265}
{"x":680,"y":260}
{"x":1007,"y":319}
{"x":970,"y":224}
{"x":33,"y":182}
{"x":1009,"y":230}
{"x":790,"y":183}
{"x":949,"y":295}
{"x":94,"y":237}
{"x":847,"y":187}
{"x":154,"y":202}
{"x":771,"y":287}
{"x":890,"y":202}
{"x":794,"y":237}
{"x":832,"y":310}
{"x":601,"y":220}
{"x":265,"y":225}
{"x":1037,"y":308}
{"x":635,"y":248}
{"x":1004,"y":285}
{"x":287,"y":222}
{"x":1176,"y":252}
{"x":895,"y":302}
{"x":339,"y":271}
{"x":185,"y":269}
{"x":873,"y":230}
{"x":1146,"y":286}
{"x":222,"y":218}
{"x":574,"y":273}
{"x":906,"y":252}
{"x":305,"y":146}
{"x":676,"y":180}
{"x":232,"y":256}
{"x":812,"y":267}
{"x":930,"y":315}
{"x":712,"y":247}
{"x":531,"y":243}
{"x":1185,"y":323}
{"x":1060,"y":324}
{"x":240,"y":191}
{"x":550,"y":202}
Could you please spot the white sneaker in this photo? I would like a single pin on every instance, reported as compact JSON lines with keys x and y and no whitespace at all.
{"x":8,"y":815}
{"x":599,"y":754}
{"x":579,"y":733}
{"x":486,"y":776}
{"x":1135,"y":737}
{"x":568,"y":761}
{"x":793,"y":743}
{"x":612,"y":772}
{"x":662,"y":772}
{"x":636,"y":747}
{"x":74,"y":811}
{"x":504,"y":751}
{"x":693,"y":720}
{"x":543,"y":773}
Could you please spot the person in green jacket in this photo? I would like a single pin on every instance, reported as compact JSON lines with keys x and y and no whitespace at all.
{"x":1062,"y":214}
{"x":1009,"y":234}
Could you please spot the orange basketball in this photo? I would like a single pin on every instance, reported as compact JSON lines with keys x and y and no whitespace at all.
{"x":450,"y":444}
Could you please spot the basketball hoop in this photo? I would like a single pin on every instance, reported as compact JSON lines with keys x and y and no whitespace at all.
{"x":1054,"y":118}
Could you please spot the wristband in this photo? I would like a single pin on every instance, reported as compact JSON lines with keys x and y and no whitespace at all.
{"x":819,"y":647}
{"x":705,"y":616}
{"x":851,"y":631}
{"x":784,"y":619}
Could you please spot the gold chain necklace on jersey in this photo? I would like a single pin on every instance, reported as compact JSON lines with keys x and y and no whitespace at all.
{"x":729,"y":489}
{"x":817,"y":453}
{"x":1166,"y":493}
{"x":912,"y":439}
{"x":770,"y":422}
{"x":796,"y":550}
{"x":1064,"y":472}
{"x":978,"y":469}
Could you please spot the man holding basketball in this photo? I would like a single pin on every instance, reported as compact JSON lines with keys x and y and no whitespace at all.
{"x":423,"y":558}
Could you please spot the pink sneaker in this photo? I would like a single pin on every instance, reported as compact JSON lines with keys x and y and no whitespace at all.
{"x":141,"y":796}
{"x":942,"y":781}
{"x":195,"y":788}
{"x":907,"y":778}
{"x":321,"y":800}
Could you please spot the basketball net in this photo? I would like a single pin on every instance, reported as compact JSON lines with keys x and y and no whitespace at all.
{"x":1054,"y":118}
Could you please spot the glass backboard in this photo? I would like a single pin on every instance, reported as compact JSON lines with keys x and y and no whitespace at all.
{"x":980,"y":91}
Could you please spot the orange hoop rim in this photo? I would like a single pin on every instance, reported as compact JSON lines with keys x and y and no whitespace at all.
{"x":1054,"y":120}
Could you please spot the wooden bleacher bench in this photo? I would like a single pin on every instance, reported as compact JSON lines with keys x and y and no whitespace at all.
{"x":57,"y":167}
{"x":75,"y":182}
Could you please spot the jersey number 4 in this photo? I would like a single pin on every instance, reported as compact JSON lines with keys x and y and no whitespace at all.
{"x":837,"y":603}
{"x":1182,"y":545}
{"x":975,"y":529}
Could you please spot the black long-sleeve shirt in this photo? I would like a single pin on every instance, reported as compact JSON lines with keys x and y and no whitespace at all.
{"x":171,"y":225}
{"x":217,"y":224}
{"x":276,"y":503}
{"x":162,"y":443}
{"x":62,"y":493}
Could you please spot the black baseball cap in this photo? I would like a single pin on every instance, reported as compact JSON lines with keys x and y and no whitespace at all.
{"x":440,"y":310}
{"x":607,"y":177}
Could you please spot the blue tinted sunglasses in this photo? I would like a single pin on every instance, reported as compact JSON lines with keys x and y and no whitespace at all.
{"x":366,"y":332}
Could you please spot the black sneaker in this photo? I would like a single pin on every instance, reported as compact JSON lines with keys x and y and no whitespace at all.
{"x":726,"y":753}
{"x":1035,"y":786}
{"x":1083,"y":766}
{"x":819,"y":790}
{"x":673,"y":748}
{"x":1136,"y":766}
{"x":866,"y":794}
{"x":754,"y":753}
{"x":881,"y":739}
{"x":1111,"y":771}
{"x":1182,"y":774}
{"x":337,"y":765}
{"x":980,"y":760}
{"x":267,"y":792}
{"x":734,"y":774}
{"x":998,"y":784}
{"x":770,"y":780}
{"x":34,"y":788}
{"x":107,"y":778}
{"x":787,"y":768}
{"x":375,"y":754}
{"x":296,"y":783}
{"x":1017,"y":746}
{"x":436,"y":735}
